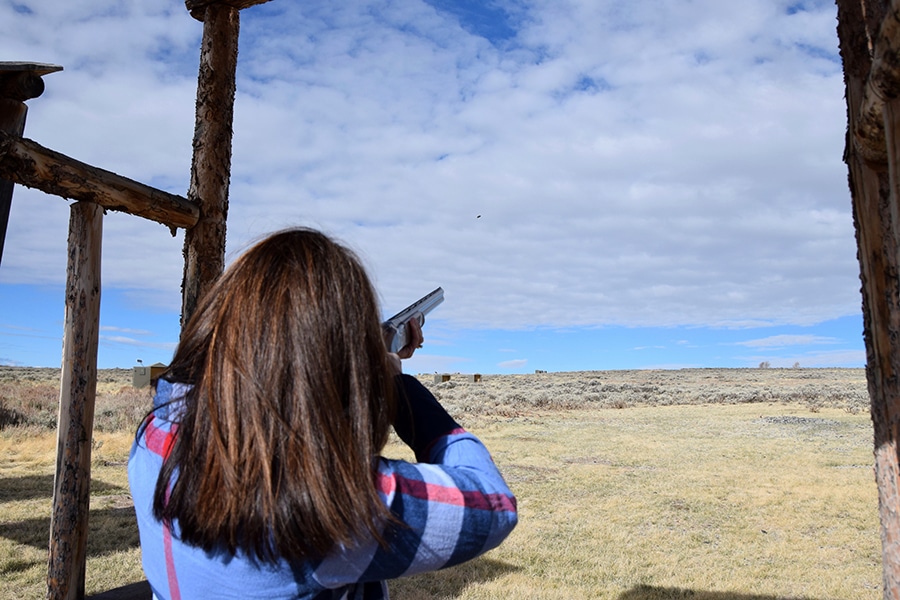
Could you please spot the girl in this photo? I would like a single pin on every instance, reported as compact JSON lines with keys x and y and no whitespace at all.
{"x":258,"y":473}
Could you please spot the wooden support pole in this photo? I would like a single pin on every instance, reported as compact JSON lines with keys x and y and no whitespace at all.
{"x":12,"y":120}
{"x":879,"y":276}
{"x":30,"y":164}
{"x":18,"y":82}
{"x":872,"y":155}
{"x":204,"y":244}
{"x":78,"y":387}
{"x":882,"y":82}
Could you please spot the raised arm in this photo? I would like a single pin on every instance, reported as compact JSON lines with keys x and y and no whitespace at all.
{"x":451,"y":506}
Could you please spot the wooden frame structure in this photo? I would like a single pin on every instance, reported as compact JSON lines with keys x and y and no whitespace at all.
{"x":202,"y":214}
{"x":869,"y":33}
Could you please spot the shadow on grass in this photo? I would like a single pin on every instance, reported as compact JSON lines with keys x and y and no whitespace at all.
{"x":448,"y":583}
{"x":133,"y":591}
{"x":33,"y":487}
{"x":110,"y":530}
{"x":649,"y":592}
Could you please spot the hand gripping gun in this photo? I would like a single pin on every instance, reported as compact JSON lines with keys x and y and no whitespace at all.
{"x":395,"y":328}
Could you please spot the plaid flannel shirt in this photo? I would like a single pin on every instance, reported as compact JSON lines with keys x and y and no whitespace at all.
{"x":454,"y":503}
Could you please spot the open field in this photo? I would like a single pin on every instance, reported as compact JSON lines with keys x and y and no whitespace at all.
{"x":711,"y":484}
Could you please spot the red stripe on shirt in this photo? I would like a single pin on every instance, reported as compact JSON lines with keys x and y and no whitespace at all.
{"x":453,"y":496}
{"x":387,"y":484}
{"x":158,"y":440}
{"x":174,"y":591}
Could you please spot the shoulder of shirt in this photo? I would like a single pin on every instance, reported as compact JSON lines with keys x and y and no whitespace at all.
{"x":168,"y":399}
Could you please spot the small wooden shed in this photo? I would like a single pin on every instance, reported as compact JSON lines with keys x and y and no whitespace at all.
{"x":141,"y":375}
{"x":445,"y":377}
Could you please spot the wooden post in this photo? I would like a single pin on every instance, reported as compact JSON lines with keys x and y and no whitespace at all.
{"x":204,"y":244}
{"x":867,"y":33}
{"x":18,"y":82}
{"x":12,"y":120}
{"x":78,"y":386}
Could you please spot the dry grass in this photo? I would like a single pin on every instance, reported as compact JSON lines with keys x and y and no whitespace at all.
{"x":708,"y":484}
{"x":26,"y":473}
{"x":508,"y":394}
{"x":29,"y":400}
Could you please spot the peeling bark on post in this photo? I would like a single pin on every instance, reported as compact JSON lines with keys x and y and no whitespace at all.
{"x":879,"y":276}
{"x":78,"y":386}
{"x":873,"y":158}
{"x":204,"y":244}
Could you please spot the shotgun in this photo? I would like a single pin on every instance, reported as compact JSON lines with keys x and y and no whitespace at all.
{"x":395,"y":328}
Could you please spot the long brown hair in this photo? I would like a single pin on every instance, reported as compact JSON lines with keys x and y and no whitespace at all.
{"x":291,"y":402}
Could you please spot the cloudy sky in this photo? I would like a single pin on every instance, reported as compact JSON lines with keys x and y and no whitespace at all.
{"x":596,"y":184}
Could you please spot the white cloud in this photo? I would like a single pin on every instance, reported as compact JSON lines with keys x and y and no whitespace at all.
{"x":640,"y":163}
{"x":125,"y":330}
{"x":513,"y":364}
{"x":836,"y":358}
{"x":130,"y":341}
{"x":830,"y":359}
{"x":27,"y":332}
{"x":781,"y":341}
{"x":434,"y":363}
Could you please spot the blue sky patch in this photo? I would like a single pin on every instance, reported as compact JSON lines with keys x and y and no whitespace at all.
{"x":484,"y":19}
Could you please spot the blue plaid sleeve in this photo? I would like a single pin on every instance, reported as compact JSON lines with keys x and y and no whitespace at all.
{"x":449,"y":511}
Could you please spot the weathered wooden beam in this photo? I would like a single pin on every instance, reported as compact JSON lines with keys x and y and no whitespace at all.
{"x":204,"y":244}
{"x":77,"y":393}
{"x":23,"y":80}
{"x":26,"y":162}
{"x":867,"y":34}
{"x":879,"y":275}
{"x":12,"y":120}
{"x":882,"y":82}
{"x":197,"y":8}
